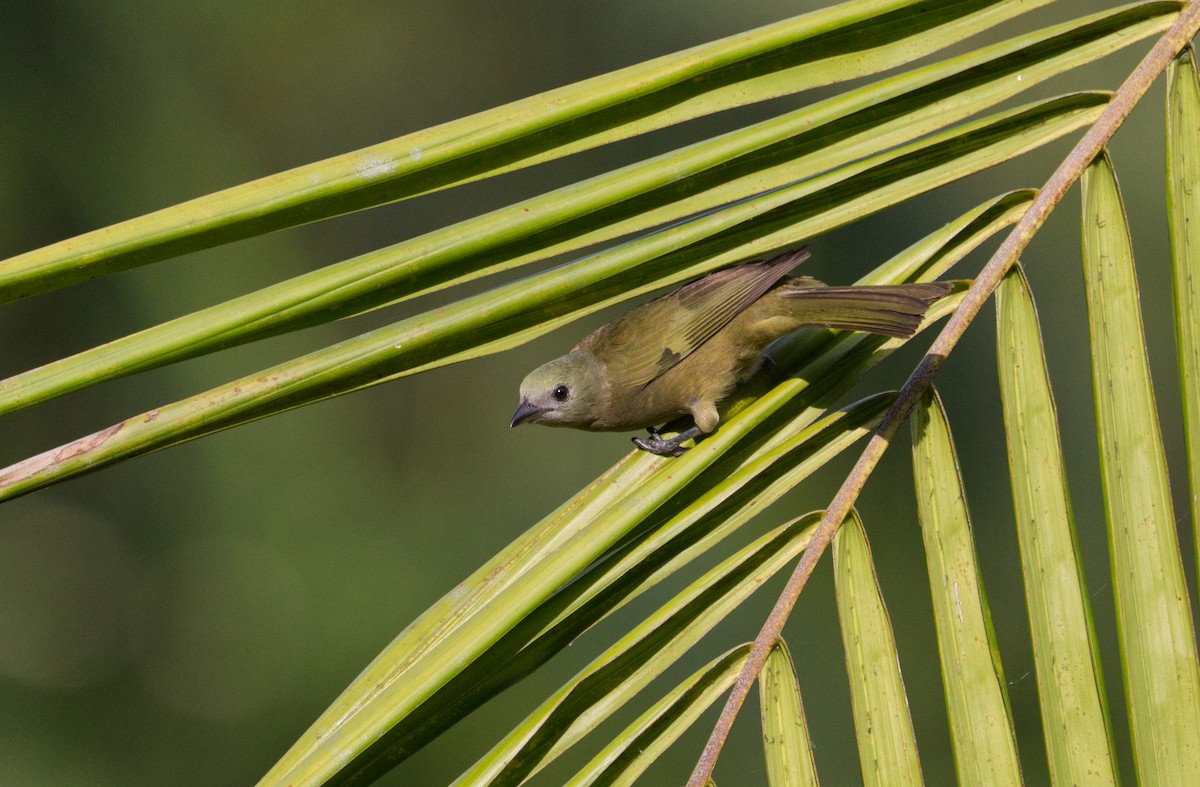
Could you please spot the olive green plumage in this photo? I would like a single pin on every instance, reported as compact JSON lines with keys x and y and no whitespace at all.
{"x":685,"y":352}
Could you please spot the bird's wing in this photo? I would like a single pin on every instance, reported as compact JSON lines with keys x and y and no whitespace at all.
{"x":644,"y":344}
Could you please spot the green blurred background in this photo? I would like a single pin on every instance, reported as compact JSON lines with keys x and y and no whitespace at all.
{"x":182,"y":618}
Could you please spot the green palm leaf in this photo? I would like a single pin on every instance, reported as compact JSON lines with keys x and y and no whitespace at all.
{"x":1158,"y":640}
{"x":643,"y":568}
{"x":509,"y":314}
{"x":1183,"y":180}
{"x":985,"y":750}
{"x":736,"y":166}
{"x":1070,"y":684}
{"x":785,"y":730}
{"x":886,"y":742}
{"x":631,"y":752}
{"x":638,"y":657}
{"x":794,"y":55}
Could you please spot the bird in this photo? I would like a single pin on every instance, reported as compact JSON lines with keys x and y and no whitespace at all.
{"x":685,"y":352}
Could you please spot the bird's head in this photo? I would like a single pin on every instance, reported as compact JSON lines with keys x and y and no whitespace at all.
{"x":562,"y":392}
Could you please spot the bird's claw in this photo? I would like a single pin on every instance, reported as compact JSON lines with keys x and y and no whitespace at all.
{"x":658,"y":445}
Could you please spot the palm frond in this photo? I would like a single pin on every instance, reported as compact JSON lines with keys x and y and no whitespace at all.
{"x":655,"y":549}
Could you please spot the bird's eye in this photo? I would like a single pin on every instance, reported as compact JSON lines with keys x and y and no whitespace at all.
{"x":561,"y":393}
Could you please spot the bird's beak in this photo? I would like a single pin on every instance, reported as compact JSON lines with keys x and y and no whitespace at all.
{"x":526,"y":412}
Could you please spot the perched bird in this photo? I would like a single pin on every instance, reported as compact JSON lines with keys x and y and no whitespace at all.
{"x":685,"y":352}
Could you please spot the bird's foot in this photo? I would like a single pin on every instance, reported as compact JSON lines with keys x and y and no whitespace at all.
{"x":657,"y":444}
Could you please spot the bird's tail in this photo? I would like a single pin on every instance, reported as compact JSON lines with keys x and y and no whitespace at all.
{"x":892,"y":310}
